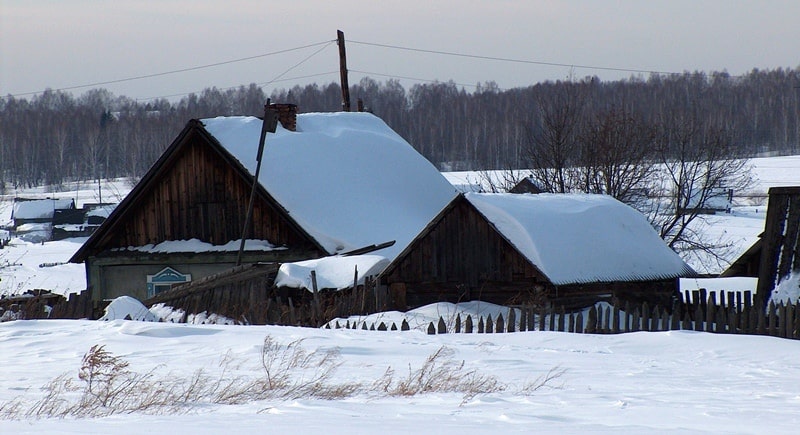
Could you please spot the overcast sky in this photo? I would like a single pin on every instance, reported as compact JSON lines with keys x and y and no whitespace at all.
{"x":62,"y":44}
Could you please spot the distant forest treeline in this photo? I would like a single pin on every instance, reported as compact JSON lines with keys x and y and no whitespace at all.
{"x":56,"y":137}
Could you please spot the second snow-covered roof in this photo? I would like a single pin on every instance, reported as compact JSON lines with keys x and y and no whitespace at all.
{"x":347,"y":178}
{"x":581,"y":238}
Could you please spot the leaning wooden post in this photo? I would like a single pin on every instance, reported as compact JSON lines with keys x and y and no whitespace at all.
{"x":343,"y":71}
{"x":269,"y":124}
{"x":315,"y":310}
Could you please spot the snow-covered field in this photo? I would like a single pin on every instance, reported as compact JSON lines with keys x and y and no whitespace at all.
{"x":676,"y":382}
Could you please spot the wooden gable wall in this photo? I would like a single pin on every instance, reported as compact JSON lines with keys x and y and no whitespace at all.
{"x":462,"y":250}
{"x":780,"y":241}
{"x":199,"y":194}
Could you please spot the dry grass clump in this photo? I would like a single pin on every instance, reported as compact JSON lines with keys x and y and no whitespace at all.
{"x":106,"y":385}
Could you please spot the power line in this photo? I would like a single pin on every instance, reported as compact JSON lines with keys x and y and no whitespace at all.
{"x":288,"y":79}
{"x":194,"y":68}
{"x":410,"y":78}
{"x":505,"y":59}
{"x":261,"y":85}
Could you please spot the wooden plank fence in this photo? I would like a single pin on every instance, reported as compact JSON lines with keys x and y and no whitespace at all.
{"x":734,"y":313}
{"x":43,"y":304}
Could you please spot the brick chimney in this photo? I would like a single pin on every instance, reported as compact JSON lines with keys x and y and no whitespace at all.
{"x":287,"y":115}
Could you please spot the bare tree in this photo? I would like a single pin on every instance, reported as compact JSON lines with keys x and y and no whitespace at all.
{"x":699,"y":163}
{"x":553,"y":143}
{"x":617,"y":156}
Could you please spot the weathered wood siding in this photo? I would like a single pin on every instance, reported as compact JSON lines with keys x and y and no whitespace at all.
{"x":463,"y":257}
{"x":781,"y":239}
{"x":200,"y":195}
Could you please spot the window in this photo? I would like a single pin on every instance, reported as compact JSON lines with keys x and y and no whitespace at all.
{"x":164,"y":280}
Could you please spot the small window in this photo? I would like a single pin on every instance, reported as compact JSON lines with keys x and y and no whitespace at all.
{"x":164,"y":280}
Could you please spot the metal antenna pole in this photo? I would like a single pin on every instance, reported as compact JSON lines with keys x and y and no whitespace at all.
{"x":269,"y":124}
{"x":343,"y":72}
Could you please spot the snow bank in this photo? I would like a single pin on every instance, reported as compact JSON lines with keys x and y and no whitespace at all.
{"x":331,"y":272}
{"x":126,"y":307}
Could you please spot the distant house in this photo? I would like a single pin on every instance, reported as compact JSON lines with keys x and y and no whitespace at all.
{"x":719,"y":199}
{"x":526,"y":185}
{"x":562,"y":250}
{"x":34,"y":218}
{"x":331,"y":183}
{"x":28,"y":211}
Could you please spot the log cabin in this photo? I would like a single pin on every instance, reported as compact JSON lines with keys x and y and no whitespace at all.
{"x":549,"y":249}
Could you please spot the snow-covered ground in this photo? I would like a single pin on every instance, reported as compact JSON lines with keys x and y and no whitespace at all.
{"x":667,"y":382}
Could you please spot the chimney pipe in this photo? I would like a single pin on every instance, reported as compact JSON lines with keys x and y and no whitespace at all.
{"x":287,"y":115}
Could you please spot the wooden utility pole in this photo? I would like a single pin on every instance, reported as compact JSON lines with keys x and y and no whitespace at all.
{"x":268,"y":125}
{"x":343,"y":72}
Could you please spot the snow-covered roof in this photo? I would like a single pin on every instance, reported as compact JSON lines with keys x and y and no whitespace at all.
{"x":346,"y":178}
{"x":40,"y":208}
{"x":331,"y":272}
{"x":577,"y":238}
{"x":102,"y":211}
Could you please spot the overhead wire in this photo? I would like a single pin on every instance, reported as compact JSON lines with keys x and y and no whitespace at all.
{"x":274,"y":80}
{"x":327,"y":43}
{"x":288,"y":79}
{"x":505,"y":59}
{"x":181,"y":70}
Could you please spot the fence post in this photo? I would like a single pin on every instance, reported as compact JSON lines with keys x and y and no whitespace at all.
{"x":710,"y":314}
{"x":579,"y":323}
{"x":655,"y":319}
{"x":468,"y":324}
{"x":771,"y":319}
{"x":628,"y":314}
{"x":442,"y":328}
{"x":748,"y":304}
{"x":501,"y":326}
{"x":561,"y":319}
{"x":431,"y":329}
{"x":480,"y":325}
{"x":489,"y":324}
{"x":512,"y":319}
{"x":698,"y":318}
{"x":615,"y":323}
{"x":781,"y":320}
{"x":591,"y":321}
{"x":789,"y":320}
{"x":458,"y":323}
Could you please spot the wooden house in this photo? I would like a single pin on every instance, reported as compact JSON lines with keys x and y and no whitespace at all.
{"x":563,"y":250}
{"x":526,"y":185}
{"x":329,"y":184}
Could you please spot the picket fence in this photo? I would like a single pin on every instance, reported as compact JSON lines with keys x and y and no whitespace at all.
{"x":734,"y":313}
